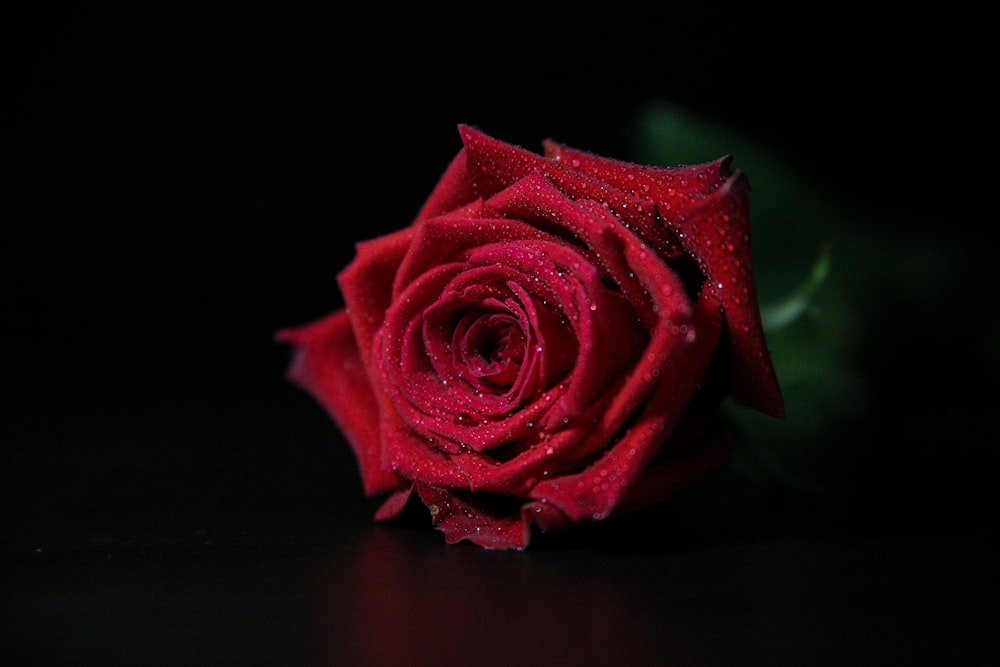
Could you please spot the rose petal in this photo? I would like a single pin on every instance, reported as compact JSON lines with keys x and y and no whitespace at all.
{"x":494,"y":165}
{"x":535,"y":198}
{"x":595,"y":493}
{"x":394,"y":505}
{"x":453,"y":190}
{"x":448,"y":238}
{"x":707,"y":207}
{"x":682,"y":185}
{"x":366,"y":284}
{"x":718,"y":232}
{"x":414,"y":456}
{"x":327,"y":363}
{"x":467,"y":517}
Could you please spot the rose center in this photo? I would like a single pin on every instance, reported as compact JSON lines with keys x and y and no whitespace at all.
{"x":490,"y":347}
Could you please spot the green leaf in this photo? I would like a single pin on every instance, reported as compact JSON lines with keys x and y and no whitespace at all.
{"x":777,"y":316}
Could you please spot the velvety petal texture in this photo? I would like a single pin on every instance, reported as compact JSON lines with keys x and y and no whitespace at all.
{"x":547,"y":344}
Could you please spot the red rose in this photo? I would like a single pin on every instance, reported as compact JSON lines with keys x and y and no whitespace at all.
{"x":548,"y":343}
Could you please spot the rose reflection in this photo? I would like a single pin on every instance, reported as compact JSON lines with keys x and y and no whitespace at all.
{"x":394,"y":597}
{"x":399,"y":598}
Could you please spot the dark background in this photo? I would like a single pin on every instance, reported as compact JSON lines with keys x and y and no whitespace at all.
{"x":187,"y":181}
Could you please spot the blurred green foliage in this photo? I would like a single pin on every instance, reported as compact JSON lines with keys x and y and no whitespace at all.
{"x":813,"y":258}
{"x":882,"y":328}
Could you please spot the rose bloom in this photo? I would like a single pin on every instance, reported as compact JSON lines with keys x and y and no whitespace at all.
{"x":547,"y":344}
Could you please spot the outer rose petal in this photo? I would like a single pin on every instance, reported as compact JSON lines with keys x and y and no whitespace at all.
{"x":707,"y":207}
{"x":718,"y":231}
{"x":596,"y":492}
{"x":328,"y":364}
{"x":492,"y":165}
{"x":683,"y":185}
{"x":394,"y":505}
{"x":464,"y":517}
{"x":453,"y":190}
{"x":366,"y":284}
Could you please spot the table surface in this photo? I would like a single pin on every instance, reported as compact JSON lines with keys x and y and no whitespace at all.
{"x":366,"y":595}
{"x":138,"y":561}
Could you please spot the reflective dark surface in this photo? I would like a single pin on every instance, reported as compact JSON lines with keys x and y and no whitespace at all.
{"x":190,"y":180}
{"x":340,"y":592}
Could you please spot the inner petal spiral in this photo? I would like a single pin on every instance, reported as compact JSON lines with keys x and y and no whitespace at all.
{"x":490,"y":347}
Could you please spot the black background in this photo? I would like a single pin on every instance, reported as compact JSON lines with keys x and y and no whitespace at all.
{"x":189,"y":180}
